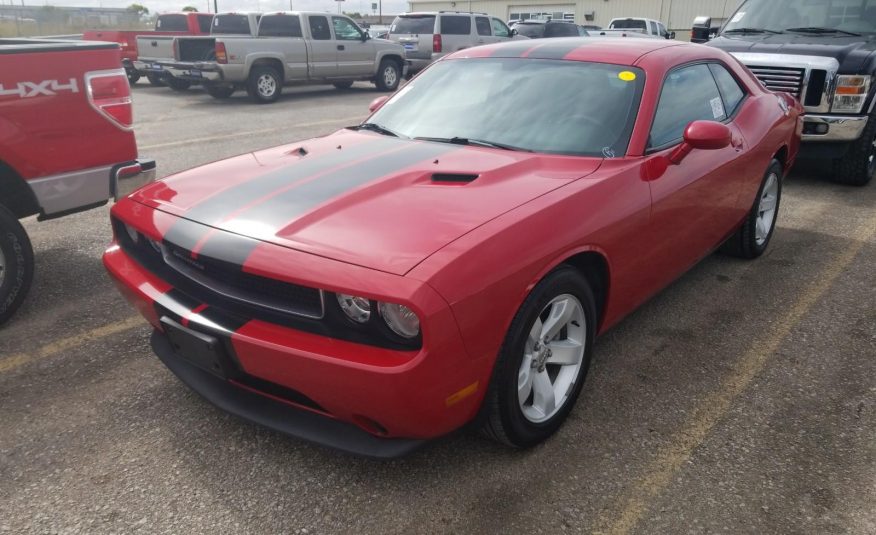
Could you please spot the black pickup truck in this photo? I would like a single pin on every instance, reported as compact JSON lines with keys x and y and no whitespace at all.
{"x":824,"y":53}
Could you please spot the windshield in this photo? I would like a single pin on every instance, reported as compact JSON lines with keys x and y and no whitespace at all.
{"x":552,"y":106}
{"x":231,"y":25}
{"x":413,"y":24}
{"x":856,"y":16}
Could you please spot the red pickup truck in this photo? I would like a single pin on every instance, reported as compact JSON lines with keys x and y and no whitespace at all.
{"x":165,"y":24}
{"x":51,"y":93}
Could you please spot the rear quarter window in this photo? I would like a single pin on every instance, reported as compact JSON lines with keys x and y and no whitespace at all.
{"x":413,"y":24}
{"x":455,"y":25}
{"x":729,"y":88}
{"x":280,"y":26}
{"x":172,"y":23}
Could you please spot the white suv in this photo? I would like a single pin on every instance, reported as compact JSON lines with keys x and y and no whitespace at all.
{"x":428,"y":35}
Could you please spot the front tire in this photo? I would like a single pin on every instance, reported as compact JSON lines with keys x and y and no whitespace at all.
{"x":177,"y":84}
{"x":388,"y":75}
{"x":264,"y":85}
{"x":16,"y":264}
{"x":543,"y":361}
{"x":220,"y":91}
{"x":133,"y":76}
{"x":753,"y":237}
{"x":857,"y":167}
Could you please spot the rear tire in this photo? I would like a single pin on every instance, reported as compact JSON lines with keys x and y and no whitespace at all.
{"x":16,"y":264}
{"x":177,"y":84}
{"x":753,"y":237}
{"x":388,"y":75}
{"x":264,"y":84}
{"x":220,"y":91}
{"x":858,"y":166}
{"x":516,"y":410}
{"x":343,"y":85}
{"x":155,"y":79}
{"x":133,"y":76}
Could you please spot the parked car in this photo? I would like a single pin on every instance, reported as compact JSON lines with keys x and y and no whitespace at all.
{"x":160,"y":50}
{"x":645,"y":27}
{"x":430,"y":35}
{"x":291,"y":48}
{"x":538,"y":29}
{"x":51,"y":92}
{"x":454,"y":256}
{"x":165,"y":24}
{"x":823,"y":55}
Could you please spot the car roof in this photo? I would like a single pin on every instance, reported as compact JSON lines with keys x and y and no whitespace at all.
{"x":623,"y":51}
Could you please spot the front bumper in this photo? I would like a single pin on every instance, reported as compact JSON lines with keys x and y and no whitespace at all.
{"x":833,"y":128}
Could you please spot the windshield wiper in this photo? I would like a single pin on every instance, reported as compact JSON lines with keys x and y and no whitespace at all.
{"x":818,"y":29}
{"x":476,"y":142}
{"x":374,"y":127}
{"x":751,"y":30}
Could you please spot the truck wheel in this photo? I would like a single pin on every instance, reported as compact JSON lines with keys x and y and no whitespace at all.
{"x":220,"y":91}
{"x":16,"y":264}
{"x":856,"y":168}
{"x":264,"y":84}
{"x":343,"y":85}
{"x":178,"y":85}
{"x":388,"y":75}
{"x":133,"y":76}
{"x":753,"y":237}
{"x":155,"y":79}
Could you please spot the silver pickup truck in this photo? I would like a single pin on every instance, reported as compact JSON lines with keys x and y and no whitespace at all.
{"x":158,"y":50}
{"x":290,"y":48}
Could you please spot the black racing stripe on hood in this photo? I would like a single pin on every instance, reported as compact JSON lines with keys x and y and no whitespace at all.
{"x":280,"y":210}
{"x":216,"y":207}
{"x":224,"y":246}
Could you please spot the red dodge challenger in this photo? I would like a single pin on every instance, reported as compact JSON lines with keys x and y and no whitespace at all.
{"x":452,"y":259}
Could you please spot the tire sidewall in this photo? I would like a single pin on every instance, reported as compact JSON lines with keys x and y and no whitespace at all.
{"x":257,"y":73}
{"x":750,"y":237}
{"x":518,"y":428}
{"x":18,"y":255}
{"x":381,"y":81}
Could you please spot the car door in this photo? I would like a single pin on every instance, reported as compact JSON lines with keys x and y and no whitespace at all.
{"x":285,"y":30}
{"x":323,"y":50}
{"x":457,"y":32}
{"x":484,"y":31}
{"x":501,"y":32}
{"x":356,"y":55}
{"x":695,"y":203}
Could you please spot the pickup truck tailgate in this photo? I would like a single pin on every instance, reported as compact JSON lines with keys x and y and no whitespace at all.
{"x":156,"y":47}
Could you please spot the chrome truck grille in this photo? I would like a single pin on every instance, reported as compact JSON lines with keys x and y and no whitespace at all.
{"x":809,"y":78}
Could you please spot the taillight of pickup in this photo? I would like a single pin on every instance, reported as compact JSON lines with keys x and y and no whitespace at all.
{"x":66,"y":118}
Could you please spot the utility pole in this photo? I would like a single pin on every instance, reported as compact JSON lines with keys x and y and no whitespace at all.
{"x":215,"y":6}
{"x":380,"y":10}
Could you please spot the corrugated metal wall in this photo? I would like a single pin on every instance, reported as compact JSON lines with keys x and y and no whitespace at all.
{"x":676,"y":14}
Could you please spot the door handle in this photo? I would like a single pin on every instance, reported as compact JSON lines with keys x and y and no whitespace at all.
{"x":340,"y":47}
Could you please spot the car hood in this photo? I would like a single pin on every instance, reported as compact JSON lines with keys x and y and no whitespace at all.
{"x":851,"y":52}
{"x":362,"y":198}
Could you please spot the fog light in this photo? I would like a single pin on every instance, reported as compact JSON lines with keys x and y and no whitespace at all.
{"x":356,"y":308}
{"x":402,"y":320}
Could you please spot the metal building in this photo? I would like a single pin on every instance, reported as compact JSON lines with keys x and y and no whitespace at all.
{"x":676,"y":14}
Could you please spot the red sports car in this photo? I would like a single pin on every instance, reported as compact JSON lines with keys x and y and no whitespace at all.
{"x":452,"y":259}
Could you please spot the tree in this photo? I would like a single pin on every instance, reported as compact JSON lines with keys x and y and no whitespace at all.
{"x":354,"y":15}
{"x":190,"y":9}
{"x":139,"y":9}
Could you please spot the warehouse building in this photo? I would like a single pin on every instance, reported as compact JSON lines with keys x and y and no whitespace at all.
{"x":676,"y":14}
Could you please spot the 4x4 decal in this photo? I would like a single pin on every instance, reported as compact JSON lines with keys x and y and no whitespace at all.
{"x":34,"y":89}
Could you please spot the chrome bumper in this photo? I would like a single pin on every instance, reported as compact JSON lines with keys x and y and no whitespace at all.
{"x":839,"y":127}
{"x":193,"y":73}
{"x":129,"y":178}
{"x":145,"y":67}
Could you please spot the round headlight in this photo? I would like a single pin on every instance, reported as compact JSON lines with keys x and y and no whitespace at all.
{"x":402,"y":320}
{"x":132,"y":233}
{"x":356,"y":308}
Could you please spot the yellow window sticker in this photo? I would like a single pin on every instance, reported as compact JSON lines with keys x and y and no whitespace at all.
{"x":627,"y":76}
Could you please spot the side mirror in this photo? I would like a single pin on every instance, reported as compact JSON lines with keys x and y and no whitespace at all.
{"x":513,"y":32}
{"x":702,"y":135}
{"x":378,"y":103}
{"x":701,"y":30}
{"x":671,"y":35}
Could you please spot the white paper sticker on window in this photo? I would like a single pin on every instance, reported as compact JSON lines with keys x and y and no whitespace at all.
{"x":717,"y":107}
{"x":737,"y":17}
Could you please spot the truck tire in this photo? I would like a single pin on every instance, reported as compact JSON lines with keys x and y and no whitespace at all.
{"x":857,"y":167}
{"x":155,"y":79}
{"x":343,"y":85}
{"x":388,"y":75}
{"x":220,"y":91}
{"x":133,"y":76}
{"x":16,"y":264}
{"x":177,"y":84}
{"x":264,"y":84}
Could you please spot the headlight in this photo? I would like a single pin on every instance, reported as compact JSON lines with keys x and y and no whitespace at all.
{"x":851,"y":92}
{"x":356,"y":308}
{"x":132,"y":233}
{"x":402,"y":320}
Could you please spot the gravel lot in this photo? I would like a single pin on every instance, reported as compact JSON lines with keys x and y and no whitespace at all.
{"x":741,"y":399}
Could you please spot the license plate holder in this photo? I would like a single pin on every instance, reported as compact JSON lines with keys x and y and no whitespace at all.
{"x":410,"y":46}
{"x":196,"y":348}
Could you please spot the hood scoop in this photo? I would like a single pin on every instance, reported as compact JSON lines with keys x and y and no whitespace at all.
{"x":453,"y":178}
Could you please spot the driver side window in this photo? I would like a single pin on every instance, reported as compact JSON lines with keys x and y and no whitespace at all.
{"x":689,"y":94}
{"x":345,"y":30}
{"x":499,"y":28}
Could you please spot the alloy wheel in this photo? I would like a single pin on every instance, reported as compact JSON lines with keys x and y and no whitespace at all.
{"x":552,"y":358}
{"x":766,"y":209}
{"x":267,"y":85}
{"x":390,"y":76}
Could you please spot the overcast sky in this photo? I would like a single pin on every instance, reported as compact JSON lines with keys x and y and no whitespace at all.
{"x":362,"y":6}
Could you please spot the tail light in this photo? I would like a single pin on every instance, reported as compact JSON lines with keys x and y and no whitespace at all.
{"x":436,"y":42}
{"x":110,"y":94}
{"x":221,"y":54}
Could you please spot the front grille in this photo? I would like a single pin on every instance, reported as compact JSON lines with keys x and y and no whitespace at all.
{"x":787,"y":79}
